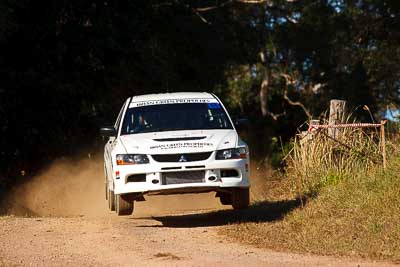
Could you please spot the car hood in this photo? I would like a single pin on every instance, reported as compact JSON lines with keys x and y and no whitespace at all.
{"x":172,"y":142}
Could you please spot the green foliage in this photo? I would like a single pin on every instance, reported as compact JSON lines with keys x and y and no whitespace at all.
{"x":346,"y":48}
{"x":331,"y":179}
{"x":67,"y":65}
{"x":278,"y":151}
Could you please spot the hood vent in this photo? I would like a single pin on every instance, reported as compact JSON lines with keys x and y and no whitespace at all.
{"x":180,"y":139}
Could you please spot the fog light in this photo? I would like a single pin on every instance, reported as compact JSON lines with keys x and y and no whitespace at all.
{"x":212,"y":178}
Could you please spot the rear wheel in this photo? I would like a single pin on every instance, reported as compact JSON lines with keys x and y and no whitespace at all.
{"x":240,"y":198}
{"x":123,"y":205}
{"x":111,"y":200}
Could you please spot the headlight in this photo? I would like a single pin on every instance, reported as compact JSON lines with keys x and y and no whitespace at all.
{"x":130,"y":159}
{"x":232,"y":153}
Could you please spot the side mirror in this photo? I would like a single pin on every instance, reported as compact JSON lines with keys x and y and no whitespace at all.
{"x":108,"y":131}
{"x":242,"y":124}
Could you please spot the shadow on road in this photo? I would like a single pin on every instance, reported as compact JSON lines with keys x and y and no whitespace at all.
{"x":260,"y":212}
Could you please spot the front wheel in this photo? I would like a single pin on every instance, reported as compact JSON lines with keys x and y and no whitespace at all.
{"x":240,"y":198}
{"x":225,"y":198}
{"x":123,"y":205}
{"x":106,"y":189}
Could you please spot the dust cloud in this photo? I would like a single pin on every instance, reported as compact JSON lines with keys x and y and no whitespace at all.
{"x":70,"y":187}
{"x":66,"y":188}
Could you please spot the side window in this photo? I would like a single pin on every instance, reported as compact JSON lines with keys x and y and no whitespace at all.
{"x":128,"y":122}
{"x":118,"y":122}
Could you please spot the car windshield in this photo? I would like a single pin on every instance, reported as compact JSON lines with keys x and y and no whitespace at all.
{"x":175,"y":117}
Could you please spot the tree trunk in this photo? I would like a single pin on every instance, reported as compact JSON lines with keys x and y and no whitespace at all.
{"x":264,"y":96}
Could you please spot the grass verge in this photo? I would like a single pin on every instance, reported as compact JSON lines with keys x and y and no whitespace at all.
{"x":356,"y":215}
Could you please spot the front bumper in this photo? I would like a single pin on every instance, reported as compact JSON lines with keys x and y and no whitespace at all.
{"x":213,"y":178}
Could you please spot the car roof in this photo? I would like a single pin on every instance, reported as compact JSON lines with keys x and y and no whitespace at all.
{"x":180,"y":95}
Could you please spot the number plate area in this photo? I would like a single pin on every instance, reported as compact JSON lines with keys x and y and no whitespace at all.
{"x":183,"y":177}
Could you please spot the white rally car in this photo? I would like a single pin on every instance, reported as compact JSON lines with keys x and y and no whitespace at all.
{"x":174,"y":143}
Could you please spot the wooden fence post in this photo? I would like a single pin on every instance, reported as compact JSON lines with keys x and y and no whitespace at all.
{"x":383,"y":143}
{"x":337,"y":113}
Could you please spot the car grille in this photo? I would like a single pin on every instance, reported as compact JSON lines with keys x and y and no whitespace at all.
{"x":182,"y":157}
{"x":184,"y":177}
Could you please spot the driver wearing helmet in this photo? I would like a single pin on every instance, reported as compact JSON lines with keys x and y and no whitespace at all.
{"x":141,"y":123}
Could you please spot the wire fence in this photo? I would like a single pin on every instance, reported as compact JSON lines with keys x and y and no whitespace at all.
{"x":315,"y":127}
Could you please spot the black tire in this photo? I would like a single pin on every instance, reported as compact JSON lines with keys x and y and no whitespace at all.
{"x":240,"y":198}
{"x":106,"y":189}
{"x":123,"y":205}
{"x":225,"y":198}
{"x":111,"y":200}
{"x":106,"y":182}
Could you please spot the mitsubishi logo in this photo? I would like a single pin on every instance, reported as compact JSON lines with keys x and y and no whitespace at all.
{"x":182,"y":159}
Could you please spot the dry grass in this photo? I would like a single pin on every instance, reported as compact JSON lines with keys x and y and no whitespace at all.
{"x":318,"y":159}
{"x":351,"y":206}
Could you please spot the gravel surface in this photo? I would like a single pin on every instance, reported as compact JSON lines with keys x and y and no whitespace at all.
{"x":166,"y":240}
{"x":63,"y":221}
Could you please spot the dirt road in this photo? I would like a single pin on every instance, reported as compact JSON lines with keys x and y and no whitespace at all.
{"x":63,"y":221}
{"x":184,"y":238}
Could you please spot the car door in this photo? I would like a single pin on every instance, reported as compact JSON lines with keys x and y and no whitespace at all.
{"x":109,"y":147}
